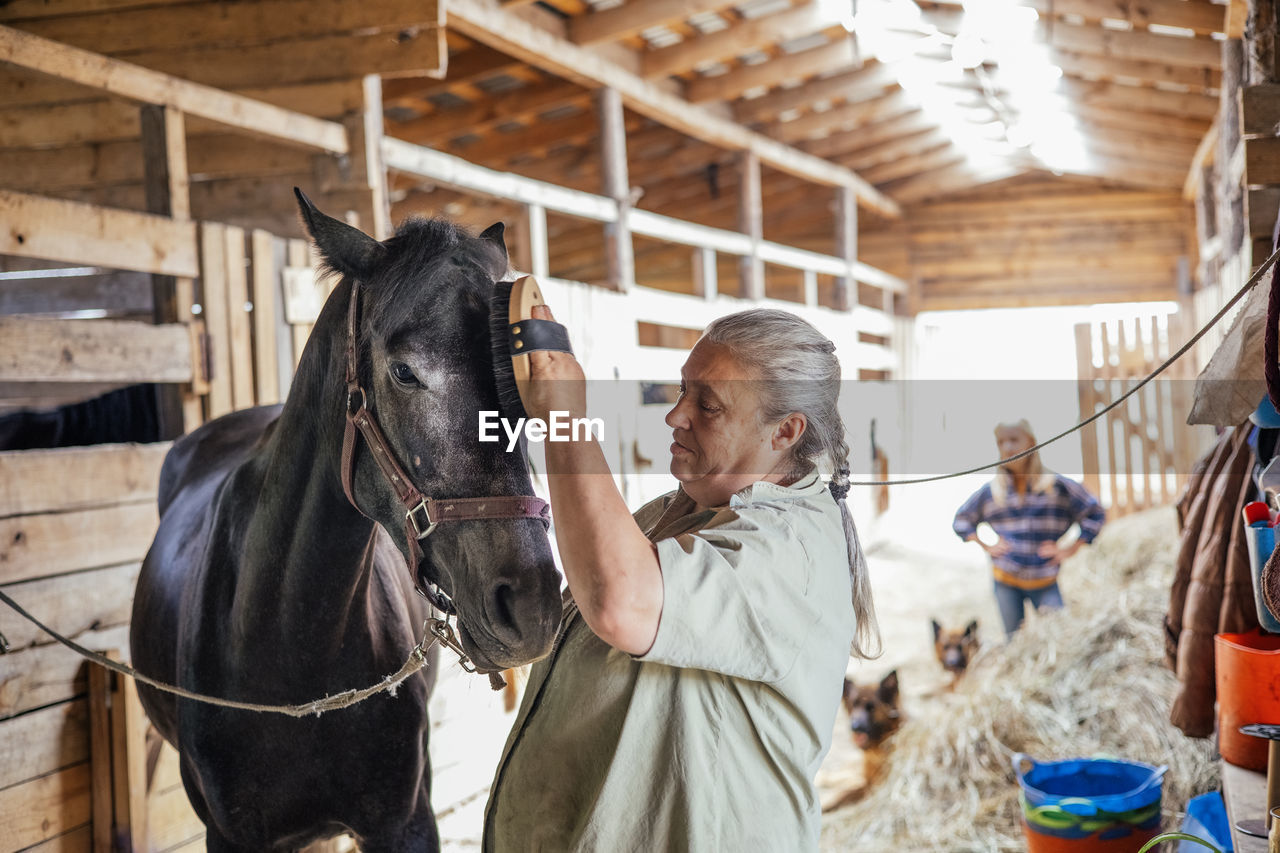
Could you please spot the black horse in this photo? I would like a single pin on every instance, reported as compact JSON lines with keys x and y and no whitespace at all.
{"x":266,"y":584}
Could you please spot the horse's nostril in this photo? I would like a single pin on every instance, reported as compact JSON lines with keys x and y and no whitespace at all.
{"x":504,"y":600}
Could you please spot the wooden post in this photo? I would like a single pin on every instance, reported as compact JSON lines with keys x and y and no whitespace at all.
{"x":1085,"y":381}
{"x":706,"y":279}
{"x":118,"y":761}
{"x":751,"y":223}
{"x":213,"y":277}
{"x":619,"y":254}
{"x":266,"y":279}
{"x":539,"y":258}
{"x":240,"y":344}
{"x":369,"y":144}
{"x":1260,"y":33}
{"x":846,"y":295}
{"x":168,"y":193}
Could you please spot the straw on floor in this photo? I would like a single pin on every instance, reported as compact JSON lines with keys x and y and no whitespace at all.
{"x":1089,"y":680}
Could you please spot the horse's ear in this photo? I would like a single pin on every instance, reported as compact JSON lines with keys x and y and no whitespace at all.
{"x":348,"y":250}
{"x":494,"y":235}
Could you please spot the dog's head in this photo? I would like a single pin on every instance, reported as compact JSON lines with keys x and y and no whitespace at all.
{"x":955,"y":648}
{"x":873,"y":710}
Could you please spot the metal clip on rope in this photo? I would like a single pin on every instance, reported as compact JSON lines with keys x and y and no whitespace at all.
{"x":443,"y":633}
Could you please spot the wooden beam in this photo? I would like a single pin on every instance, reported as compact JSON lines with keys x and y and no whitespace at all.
{"x":946,"y":154}
{"x":38,"y":350}
{"x":751,"y":223}
{"x":43,"y":809}
{"x":630,"y":18}
{"x":846,"y":221}
{"x":736,"y":40}
{"x":1235,"y":18}
{"x":949,"y":179}
{"x":619,"y":255}
{"x":520,"y":105}
{"x":846,"y":117}
{"x":1115,"y":96}
{"x":908,"y":145}
{"x":1138,"y":45}
{"x":39,"y":481}
{"x":338,"y":57}
{"x":1077,"y":64}
{"x":841,"y":53}
{"x":1262,"y":161}
{"x":83,"y":234}
{"x":871,"y":136}
{"x":104,"y":164}
{"x":1202,"y":17}
{"x":456,"y":172}
{"x":164,"y":150}
{"x":486,"y":22}
{"x":195,"y":25}
{"x":500,"y":146}
{"x":1260,"y":110}
{"x":1142,"y":121}
{"x":854,"y":85}
{"x":152,"y":87}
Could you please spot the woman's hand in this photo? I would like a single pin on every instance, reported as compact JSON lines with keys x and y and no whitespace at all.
{"x":556,"y":381}
{"x":1053,"y":553}
{"x":999,"y":549}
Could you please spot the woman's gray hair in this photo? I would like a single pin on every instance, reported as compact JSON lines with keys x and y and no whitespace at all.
{"x":798,"y":372}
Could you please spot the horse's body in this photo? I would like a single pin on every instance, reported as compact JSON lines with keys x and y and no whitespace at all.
{"x":264,"y":584}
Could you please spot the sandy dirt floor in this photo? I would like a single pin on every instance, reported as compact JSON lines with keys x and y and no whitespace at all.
{"x":919,"y":570}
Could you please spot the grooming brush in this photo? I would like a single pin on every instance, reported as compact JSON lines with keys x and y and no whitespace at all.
{"x":514,"y":333}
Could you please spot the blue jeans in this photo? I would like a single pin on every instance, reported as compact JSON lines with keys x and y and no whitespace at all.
{"x":1011,"y":600}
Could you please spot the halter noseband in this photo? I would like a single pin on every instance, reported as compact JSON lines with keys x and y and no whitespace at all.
{"x":422,"y":514}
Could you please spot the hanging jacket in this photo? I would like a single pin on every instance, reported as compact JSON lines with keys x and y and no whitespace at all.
{"x":1212,"y":587}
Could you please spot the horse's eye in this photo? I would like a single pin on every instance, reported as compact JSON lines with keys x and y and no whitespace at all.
{"x":403,"y":373}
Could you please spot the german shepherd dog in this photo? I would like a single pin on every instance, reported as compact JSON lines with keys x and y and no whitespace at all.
{"x":955,"y":649}
{"x":874,"y":714}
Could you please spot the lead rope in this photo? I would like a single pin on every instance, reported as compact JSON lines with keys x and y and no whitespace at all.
{"x":1254,"y":279}
{"x":440,"y":631}
{"x":433,"y":631}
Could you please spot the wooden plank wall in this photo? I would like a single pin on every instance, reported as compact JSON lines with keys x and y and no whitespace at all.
{"x":1036,"y":241}
{"x":75,"y":524}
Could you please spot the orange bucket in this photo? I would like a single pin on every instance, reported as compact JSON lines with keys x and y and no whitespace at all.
{"x":1247,"y":670}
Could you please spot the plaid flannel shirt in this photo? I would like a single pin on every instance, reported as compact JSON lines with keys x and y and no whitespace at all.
{"x":1027,"y":520}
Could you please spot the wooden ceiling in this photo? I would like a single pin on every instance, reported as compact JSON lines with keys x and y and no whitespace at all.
{"x":702,"y":80}
{"x":1141,"y":79}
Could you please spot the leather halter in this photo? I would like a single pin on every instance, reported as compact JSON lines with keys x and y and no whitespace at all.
{"x":422,"y":514}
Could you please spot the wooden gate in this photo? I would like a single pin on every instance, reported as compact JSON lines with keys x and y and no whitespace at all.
{"x":1139,"y":454}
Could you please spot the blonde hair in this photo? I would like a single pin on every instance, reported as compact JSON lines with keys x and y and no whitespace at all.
{"x":1039,"y":478}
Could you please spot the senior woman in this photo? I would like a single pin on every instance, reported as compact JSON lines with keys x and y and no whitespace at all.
{"x":692,"y":689}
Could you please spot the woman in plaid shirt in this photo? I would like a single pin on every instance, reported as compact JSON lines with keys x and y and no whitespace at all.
{"x":1030,"y":508}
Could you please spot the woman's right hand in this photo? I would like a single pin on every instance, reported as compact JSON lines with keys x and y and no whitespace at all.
{"x":997,"y":550}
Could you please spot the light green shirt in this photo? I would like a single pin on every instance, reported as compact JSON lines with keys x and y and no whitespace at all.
{"x":711,"y":740}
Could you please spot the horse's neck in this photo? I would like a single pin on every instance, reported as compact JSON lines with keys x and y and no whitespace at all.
{"x":307,"y":557}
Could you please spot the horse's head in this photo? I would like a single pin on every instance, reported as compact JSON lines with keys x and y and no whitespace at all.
{"x":425,"y":366}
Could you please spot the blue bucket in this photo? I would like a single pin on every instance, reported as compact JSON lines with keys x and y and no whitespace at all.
{"x":1088,"y":803}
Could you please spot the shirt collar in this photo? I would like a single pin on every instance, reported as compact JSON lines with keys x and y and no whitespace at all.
{"x":807,"y":486}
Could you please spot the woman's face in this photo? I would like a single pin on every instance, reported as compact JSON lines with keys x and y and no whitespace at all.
{"x":720,"y":444}
{"x":1011,"y":441}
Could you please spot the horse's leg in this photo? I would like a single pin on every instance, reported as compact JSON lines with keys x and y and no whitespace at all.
{"x":419,"y":835}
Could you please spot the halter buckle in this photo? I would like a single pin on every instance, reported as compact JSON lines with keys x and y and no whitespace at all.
{"x":420,"y":530}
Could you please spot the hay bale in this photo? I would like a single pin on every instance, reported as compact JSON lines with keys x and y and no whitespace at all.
{"x":1089,"y":680}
